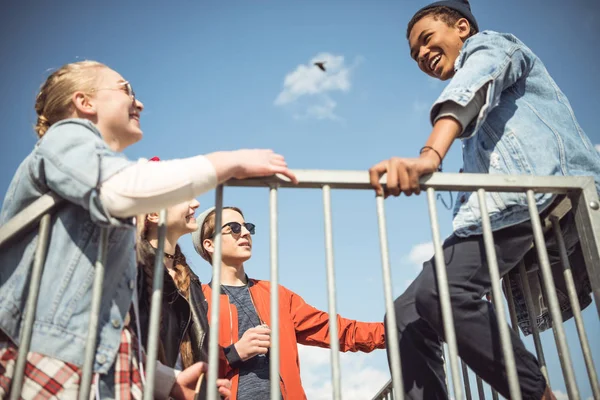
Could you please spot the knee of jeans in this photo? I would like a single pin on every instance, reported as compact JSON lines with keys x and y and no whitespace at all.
{"x":402,"y":312}
{"x":427,"y":299}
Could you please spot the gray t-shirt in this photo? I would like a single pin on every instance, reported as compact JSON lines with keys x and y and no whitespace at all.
{"x":254,"y":373}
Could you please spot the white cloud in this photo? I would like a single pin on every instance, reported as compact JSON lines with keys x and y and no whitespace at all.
{"x":359,"y":379}
{"x":560,"y":395}
{"x":598,"y":147}
{"x":420,"y":253}
{"x":310,"y":88}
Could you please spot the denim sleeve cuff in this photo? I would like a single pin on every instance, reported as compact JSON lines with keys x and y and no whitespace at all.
{"x":233,"y":358}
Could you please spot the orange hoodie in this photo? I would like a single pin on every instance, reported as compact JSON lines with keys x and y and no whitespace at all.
{"x":299,"y":322}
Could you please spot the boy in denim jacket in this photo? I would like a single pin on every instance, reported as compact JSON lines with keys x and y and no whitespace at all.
{"x":512,"y":119}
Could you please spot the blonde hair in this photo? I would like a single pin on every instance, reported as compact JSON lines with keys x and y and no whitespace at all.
{"x":53,"y":102}
{"x":207,"y":231}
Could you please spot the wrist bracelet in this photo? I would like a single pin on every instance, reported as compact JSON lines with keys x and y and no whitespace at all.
{"x":436,"y":152}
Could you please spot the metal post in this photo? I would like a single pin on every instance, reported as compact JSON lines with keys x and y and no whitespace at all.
{"x":511,"y":305}
{"x":465,"y":373}
{"x":32,"y":299}
{"x":334,"y":342}
{"x":480,"y":388}
{"x":155,"y":307}
{"x":90,"y":347}
{"x":505,"y":340}
{"x":213,"y":343}
{"x":275,"y":350}
{"x":532,"y":321}
{"x":548,"y":280}
{"x":392,"y":328}
{"x":586,"y":206}
{"x":576,"y":307}
{"x":444,"y":292}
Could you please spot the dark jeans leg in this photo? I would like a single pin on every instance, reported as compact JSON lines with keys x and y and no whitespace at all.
{"x":420,"y":319}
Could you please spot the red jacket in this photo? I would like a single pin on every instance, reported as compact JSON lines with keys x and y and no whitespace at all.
{"x":299,"y":322}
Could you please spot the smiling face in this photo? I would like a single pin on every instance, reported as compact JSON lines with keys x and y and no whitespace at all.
{"x":435,"y":45}
{"x":117,"y":113}
{"x":180,"y":217}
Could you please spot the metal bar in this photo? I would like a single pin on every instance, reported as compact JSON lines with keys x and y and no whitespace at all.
{"x":384,"y":392}
{"x":334,"y":342}
{"x":465,"y":374}
{"x":587,"y":218}
{"x":480,"y":388}
{"x":539,"y":350}
{"x":213,"y":343}
{"x":275,"y":349}
{"x":29,"y":216}
{"x":339,"y":179}
{"x":552,"y":299}
{"x":511,"y":305}
{"x":505,"y":340}
{"x":494,"y":394}
{"x":392,"y":328}
{"x":155,"y":307}
{"x":576,"y":307}
{"x":444,"y":293}
{"x":90,"y":347}
{"x":32,"y":299}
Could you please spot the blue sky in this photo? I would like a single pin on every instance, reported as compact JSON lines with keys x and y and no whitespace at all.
{"x":210,"y":75}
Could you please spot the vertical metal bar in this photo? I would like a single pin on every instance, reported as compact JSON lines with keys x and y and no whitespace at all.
{"x":334,"y":342}
{"x":511,"y":305}
{"x":90,"y":347}
{"x":392,"y":327}
{"x":494,"y":394}
{"x":443,"y":348}
{"x":490,"y":252}
{"x":587,"y":218}
{"x":275,"y":349}
{"x":32,"y":299}
{"x":444,"y":292}
{"x":465,"y":373}
{"x":213,"y":343}
{"x":539,"y":350}
{"x":548,"y":280}
{"x":155,"y":307}
{"x":480,"y":388}
{"x":576,"y":307}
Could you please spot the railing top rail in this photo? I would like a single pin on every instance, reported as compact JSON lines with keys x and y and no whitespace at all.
{"x":342,"y":179}
{"x":384,"y":390}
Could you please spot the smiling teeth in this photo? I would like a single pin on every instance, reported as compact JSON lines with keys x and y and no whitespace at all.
{"x":434,"y":62}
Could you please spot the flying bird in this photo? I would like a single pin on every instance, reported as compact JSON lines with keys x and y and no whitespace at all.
{"x":321,"y":65}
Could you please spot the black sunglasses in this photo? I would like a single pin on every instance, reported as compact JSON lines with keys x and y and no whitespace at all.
{"x":236,"y":227}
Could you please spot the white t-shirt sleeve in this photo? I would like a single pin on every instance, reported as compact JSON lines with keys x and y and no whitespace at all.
{"x":150,"y":186}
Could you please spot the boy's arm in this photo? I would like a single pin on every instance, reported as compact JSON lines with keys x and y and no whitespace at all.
{"x":312,"y":328}
{"x":403,"y":173}
{"x":488,"y":64}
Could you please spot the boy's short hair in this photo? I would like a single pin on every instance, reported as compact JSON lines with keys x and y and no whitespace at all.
{"x":444,"y":13}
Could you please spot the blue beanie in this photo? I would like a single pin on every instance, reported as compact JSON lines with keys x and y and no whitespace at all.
{"x":462,"y":6}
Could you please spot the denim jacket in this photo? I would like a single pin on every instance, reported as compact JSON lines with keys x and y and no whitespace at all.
{"x":525,"y":127}
{"x":71,"y":160}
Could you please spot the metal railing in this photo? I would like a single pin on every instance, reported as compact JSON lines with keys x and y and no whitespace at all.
{"x":581,"y":192}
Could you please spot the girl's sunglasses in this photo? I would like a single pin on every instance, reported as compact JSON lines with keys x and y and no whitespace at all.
{"x":236,"y":227}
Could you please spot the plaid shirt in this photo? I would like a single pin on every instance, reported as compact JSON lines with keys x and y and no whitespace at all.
{"x":49,"y":378}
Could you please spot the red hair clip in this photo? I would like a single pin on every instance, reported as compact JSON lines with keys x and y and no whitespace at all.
{"x":155,"y":158}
